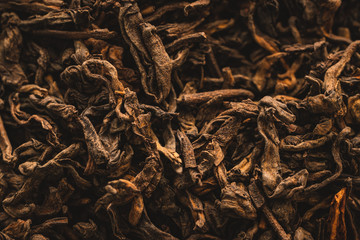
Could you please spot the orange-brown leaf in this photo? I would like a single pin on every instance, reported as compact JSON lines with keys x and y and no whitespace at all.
{"x":336,"y":220}
{"x":137,"y":208}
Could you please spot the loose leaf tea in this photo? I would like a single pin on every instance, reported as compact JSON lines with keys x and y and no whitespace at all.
{"x":197,"y":120}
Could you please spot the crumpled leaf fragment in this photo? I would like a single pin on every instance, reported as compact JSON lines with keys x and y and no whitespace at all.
{"x":19,"y":229}
{"x":187,"y":152}
{"x":87,"y":230}
{"x":291,"y":185}
{"x":148,"y":178}
{"x":24,"y":118}
{"x":96,"y":150}
{"x":121,"y":192}
{"x":197,"y":210}
{"x":302,"y":234}
{"x":10,"y":43}
{"x":336,"y":220}
{"x":19,"y":210}
{"x":270,"y":163}
{"x":147,"y":230}
{"x":236,"y":202}
{"x":148,"y":51}
{"x":5,"y":145}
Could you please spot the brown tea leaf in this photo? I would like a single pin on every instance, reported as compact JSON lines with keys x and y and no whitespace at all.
{"x":337,"y":226}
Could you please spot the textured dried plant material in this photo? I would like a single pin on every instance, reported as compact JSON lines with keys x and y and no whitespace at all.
{"x":97,"y":152}
{"x":165,"y":9}
{"x":169,"y":153}
{"x":5,"y":144}
{"x":136,"y":210}
{"x":291,"y":185}
{"x":50,"y":223}
{"x":63,"y":100}
{"x":119,"y":166}
{"x":229,"y":80}
{"x":187,"y":153}
{"x":267,"y":44}
{"x":197,"y":98}
{"x":147,"y":230}
{"x":331,"y":83}
{"x":148,"y":51}
{"x":102,"y":70}
{"x":331,"y":101}
{"x":307,"y":144}
{"x":148,"y":178}
{"x":114,"y":216}
{"x":220,"y":174}
{"x":187,"y":150}
{"x":219,"y":25}
{"x":270,"y":163}
{"x":38,"y":237}
{"x":336,"y":219}
{"x":121,"y":192}
{"x":235,"y":202}
{"x":32,"y":8}
{"x":324,"y":127}
{"x":263,"y":68}
{"x":97,"y":34}
{"x":302,"y":234}
{"x":260,"y":203}
{"x":328,"y":9}
{"x":18,"y":230}
{"x":287,"y":81}
{"x":244,"y":168}
{"x":43,"y":61}
{"x":337,"y":158}
{"x":10,"y":43}
{"x":53,"y":87}
{"x":58,"y":18}
{"x":197,"y":211}
{"x":354,"y":108}
{"x":185,"y":41}
{"x":194,"y":5}
{"x":207,"y":186}
{"x":86,"y":229}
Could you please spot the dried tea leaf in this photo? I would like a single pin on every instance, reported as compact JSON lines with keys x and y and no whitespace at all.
{"x":336,"y":220}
